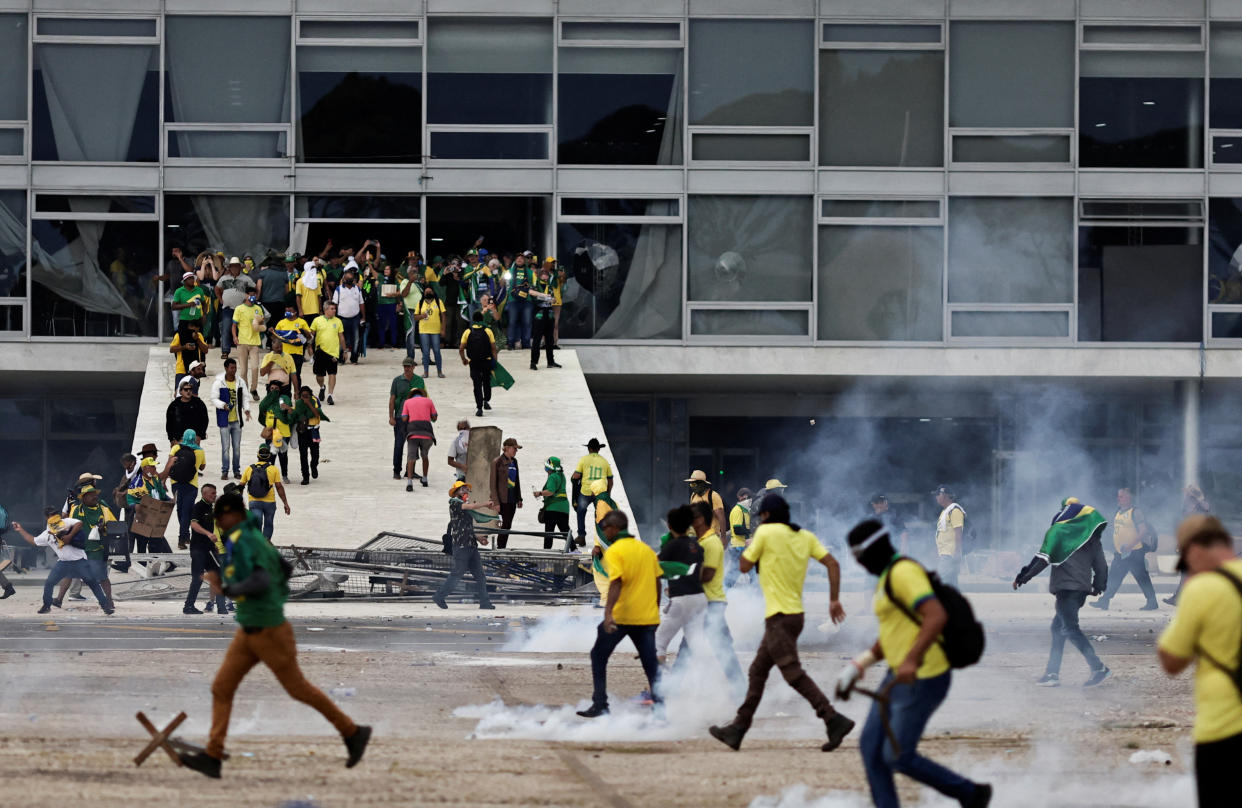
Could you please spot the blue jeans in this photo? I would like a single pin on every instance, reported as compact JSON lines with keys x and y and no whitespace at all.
{"x":226,"y":330}
{"x":606,"y":643}
{"x":364,"y":331}
{"x":186,"y":495}
{"x":266,"y":511}
{"x":430,"y":342}
{"x":910,"y":708}
{"x":1065,"y":627}
{"x":948,"y":568}
{"x":230,"y":444}
{"x":519,"y":322}
{"x":733,"y":557}
{"x":351,"y":336}
{"x":389,"y":334}
{"x":73,"y":569}
{"x":581,"y":505}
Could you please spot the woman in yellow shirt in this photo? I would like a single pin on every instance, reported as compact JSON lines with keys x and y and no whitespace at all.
{"x":431,"y":321}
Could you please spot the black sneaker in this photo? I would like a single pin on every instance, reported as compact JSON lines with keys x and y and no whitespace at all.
{"x":8,"y":592}
{"x":439,"y":601}
{"x":78,"y":596}
{"x":357,"y":745}
{"x":838,"y":727}
{"x":191,"y":610}
{"x":314,"y":472}
{"x":109,"y":610}
{"x":1097,"y":677}
{"x":330,"y":401}
{"x":396,"y":475}
{"x":487,"y":606}
{"x":1171,"y":601}
{"x":534,"y":367}
{"x":1049,"y":680}
{"x":487,"y":405}
{"x":57,"y":604}
{"x":478,"y":413}
{"x":305,"y":481}
{"x":201,"y":762}
{"x":44,"y":610}
{"x":423,"y":480}
{"x":554,"y":365}
{"x":730,"y":735}
{"x":210,"y":608}
{"x":322,"y":390}
{"x":593,"y":712}
{"x":981,"y":798}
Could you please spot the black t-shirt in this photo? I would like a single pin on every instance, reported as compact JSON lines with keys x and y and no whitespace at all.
{"x":688,"y":551}
{"x":205,"y":517}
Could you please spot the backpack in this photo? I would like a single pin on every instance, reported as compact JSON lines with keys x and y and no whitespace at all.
{"x":258,"y":485}
{"x":478,"y":346}
{"x":182,"y":470}
{"x":1235,"y":674}
{"x":962,"y":639}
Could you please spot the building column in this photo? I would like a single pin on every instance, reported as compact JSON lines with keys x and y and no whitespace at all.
{"x":1190,"y":432}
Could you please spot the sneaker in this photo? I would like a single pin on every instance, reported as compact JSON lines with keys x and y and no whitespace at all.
{"x":201,"y":762}
{"x":191,"y":610}
{"x":109,"y":610}
{"x":423,"y":480}
{"x":409,"y":485}
{"x":439,"y":601}
{"x":487,"y":405}
{"x":1049,"y":680}
{"x":210,"y":608}
{"x":78,"y":596}
{"x":56,"y":603}
{"x":1171,"y":601}
{"x":593,"y":712}
{"x":330,"y":401}
{"x":284,"y":480}
{"x":8,"y":592}
{"x":555,"y":365}
{"x":838,"y":727}
{"x":730,"y":735}
{"x":478,"y":413}
{"x":981,"y":798}
{"x":439,"y":374}
{"x":224,"y":475}
{"x":1100,"y":604}
{"x":356,"y":744}
{"x":1097,"y":677}
{"x":487,"y":606}
{"x":644,"y":698}
{"x":44,"y":610}
{"x":534,"y":367}
{"x":321,"y":392}
{"x":315,"y":472}
{"x":1149,"y":607}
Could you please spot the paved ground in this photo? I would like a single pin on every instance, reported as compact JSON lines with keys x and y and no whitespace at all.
{"x":463,"y":717}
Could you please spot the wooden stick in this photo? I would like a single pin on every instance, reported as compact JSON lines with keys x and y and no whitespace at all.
{"x":159,"y":738}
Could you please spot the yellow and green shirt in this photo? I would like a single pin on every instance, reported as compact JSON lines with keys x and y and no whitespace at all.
{"x":897,"y":631}
{"x":782,"y":554}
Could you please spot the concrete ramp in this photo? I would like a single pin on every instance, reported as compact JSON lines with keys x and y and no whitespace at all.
{"x":549,"y":411}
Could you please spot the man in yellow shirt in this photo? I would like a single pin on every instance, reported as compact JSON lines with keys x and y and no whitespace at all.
{"x":294,"y":333}
{"x":715,"y":626}
{"x":1207,"y":629}
{"x":329,"y":334}
{"x":739,"y":528}
{"x":1133,"y":539}
{"x":632,"y":609}
{"x":249,"y":323}
{"x":261,"y":482}
{"x":701,"y":491}
{"x":918,"y":678}
{"x":949,"y":529}
{"x":591,"y":467}
{"x":782,"y":550}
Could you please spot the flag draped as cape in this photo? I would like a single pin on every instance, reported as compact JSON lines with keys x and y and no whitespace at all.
{"x":1071,"y":529}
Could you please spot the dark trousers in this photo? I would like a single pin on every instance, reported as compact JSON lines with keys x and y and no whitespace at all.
{"x":275,"y":312}
{"x":555,"y":524}
{"x":481,"y":377}
{"x":507,"y":512}
{"x":203,"y":561}
{"x":779,"y":647}
{"x":910,"y":708}
{"x":541,"y":333}
{"x":73,"y":569}
{"x":582,"y":504}
{"x":1214,"y":773}
{"x":465,"y":559}
{"x":187,"y":495}
{"x":149,"y":544}
{"x":351,"y":337}
{"x":398,"y":447}
{"x":308,"y":444}
{"x":606,"y":642}
{"x":1065,"y":627}
{"x":1131,"y":563}
{"x":389,"y":332}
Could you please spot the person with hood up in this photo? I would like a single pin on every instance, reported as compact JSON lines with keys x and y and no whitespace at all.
{"x":555,"y":503}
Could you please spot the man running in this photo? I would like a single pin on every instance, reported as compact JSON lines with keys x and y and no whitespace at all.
{"x":782,"y":549}
{"x":256,"y":577}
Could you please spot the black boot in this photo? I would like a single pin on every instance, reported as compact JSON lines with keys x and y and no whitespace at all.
{"x":838,"y":727}
{"x":201,"y":762}
{"x":730,"y":735}
{"x":357,"y":745}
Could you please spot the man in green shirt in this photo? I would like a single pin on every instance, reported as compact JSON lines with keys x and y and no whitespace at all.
{"x":401,"y":389}
{"x":256,"y":578}
{"x":189,"y":302}
{"x":555,"y":503}
{"x":92,"y":515}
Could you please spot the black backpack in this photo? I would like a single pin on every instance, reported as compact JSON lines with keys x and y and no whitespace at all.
{"x":962,"y":639}
{"x":182,"y":470}
{"x":258,"y":486}
{"x":478,"y":345}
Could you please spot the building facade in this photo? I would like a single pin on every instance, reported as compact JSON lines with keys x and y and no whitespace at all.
{"x":857,"y":243}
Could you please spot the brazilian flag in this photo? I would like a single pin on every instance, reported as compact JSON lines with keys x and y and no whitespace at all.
{"x":1073,"y":527}
{"x":501,"y":377}
{"x":672,"y":569}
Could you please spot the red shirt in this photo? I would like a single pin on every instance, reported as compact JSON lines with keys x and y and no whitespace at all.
{"x":418,"y":408}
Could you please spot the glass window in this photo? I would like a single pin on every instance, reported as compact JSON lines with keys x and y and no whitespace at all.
{"x":623,"y":281}
{"x":12,"y":142}
{"x":22,"y":477}
{"x":14,"y":38}
{"x":621,"y":31}
{"x":1011,"y":250}
{"x":618,"y":206}
{"x":234,"y":224}
{"x":751,"y":72}
{"x":248,"y":85}
{"x":1225,"y":325}
{"x":378,"y":91}
{"x":489,"y":71}
{"x":11,"y":317}
{"x":1142,"y":34}
{"x":489,"y":145}
{"x":1226,"y":150}
{"x":746,"y":323}
{"x":96,"y":103}
{"x":210,"y":145}
{"x":880,"y":209}
{"x":1225,"y":251}
{"x":358,"y":29}
{"x":1011,"y":148}
{"x":1140,"y":110}
{"x":1140,"y":284}
{"x":58,"y":203}
{"x":880,"y":283}
{"x":1011,"y":74}
{"x":94,"y":279}
{"x":358,"y":207}
{"x":12,"y":243}
{"x":1226,"y":57}
{"x":849,"y":32}
{"x":881,"y":108}
{"x":750,"y":248}
{"x":620,"y":106}
{"x":769,"y":148}
{"x":96,"y":26}
{"x":1011,"y":324}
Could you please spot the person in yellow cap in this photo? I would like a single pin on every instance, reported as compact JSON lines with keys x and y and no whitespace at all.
{"x":465,"y":546}
{"x":772,"y":486}
{"x":701,"y":491}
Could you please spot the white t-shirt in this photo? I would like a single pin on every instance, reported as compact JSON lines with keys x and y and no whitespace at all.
{"x":460,"y":449}
{"x":66,"y":553}
{"x":348,"y":301}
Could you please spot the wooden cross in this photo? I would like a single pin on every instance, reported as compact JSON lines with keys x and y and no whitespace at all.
{"x":159,"y":739}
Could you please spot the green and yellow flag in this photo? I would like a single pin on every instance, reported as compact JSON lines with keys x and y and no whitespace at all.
{"x":1073,"y":527}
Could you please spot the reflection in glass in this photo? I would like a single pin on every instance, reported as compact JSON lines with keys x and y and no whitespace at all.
{"x":378,"y":91}
{"x":769,"y":148}
{"x":96,"y":103}
{"x":1226,"y":85}
{"x":243,"y":145}
{"x":623,"y":281}
{"x":620,"y":106}
{"x":96,"y":26}
{"x":1011,"y":148}
{"x":617,"y":206}
{"x":489,"y":145}
{"x":1224,"y":261}
{"x":12,"y":244}
{"x":234,"y":224}
{"x":22,"y":477}
{"x":95,"y":279}
{"x":1011,"y":250}
{"x":1140,"y":110}
{"x":775,"y":90}
{"x":358,"y":207}
{"x":14,"y":39}
{"x":1011,"y":74}
{"x":750,"y":248}
{"x":1140,"y":284}
{"x":714,"y":323}
{"x":11,"y":318}
{"x":489,"y":71}
{"x":880,"y":283}
{"x":1226,"y":325}
{"x":881,"y":108}
{"x":248,"y":85}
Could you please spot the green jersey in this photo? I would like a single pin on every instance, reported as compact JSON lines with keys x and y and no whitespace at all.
{"x":197,"y":297}
{"x":557,"y":501}
{"x":98,"y":516}
{"x":246,"y":550}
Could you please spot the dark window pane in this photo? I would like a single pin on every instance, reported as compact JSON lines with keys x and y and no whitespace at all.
{"x":1227,"y":150}
{"x":1011,"y":148}
{"x":13,"y":244}
{"x":1142,"y":34}
{"x":12,"y":142}
{"x":749,"y":323}
{"x":1011,"y":74}
{"x":775,"y":90}
{"x":880,"y":283}
{"x":1010,"y":324}
{"x":577,"y":206}
{"x":249,"y":85}
{"x":1142,"y":209}
{"x":489,"y":71}
{"x":1226,"y":63}
{"x":750,"y":248}
{"x":95,"y":26}
{"x":358,"y":29}
{"x":106,"y":99}
{"x":621,"y":31}
{"x":1140,"y":284}
{"x":880,"y":209}
{"x":1225,"y":251}
{"x":212,"y":145}
{"x":1226,"y":325}
{"x":20,"y":416}
{"x":489,"y":98}
{"x":623,"y":281}
{"x":489,"y":145}
{"x":233,"y":224}
{"x":21,"y":480}
{"x":360,"y":105}
{"x":768,"y":148}
{"x":358,"y":207}
{"x":14,"y":41}
{"x":57,"y":203}
{"x":620,"y":106}
{"x":837,"y":32}
{"x":10,"y":318}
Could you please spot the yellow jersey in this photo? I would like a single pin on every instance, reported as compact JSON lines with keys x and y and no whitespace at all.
{"x":782,"y":555}
{"x":951,"y":518}
{"x":1125,"y":531}
{"x":592,"y":467}
{"x":713,"y":557}
{"x":897,"y":631}
{"x":637,"y":567}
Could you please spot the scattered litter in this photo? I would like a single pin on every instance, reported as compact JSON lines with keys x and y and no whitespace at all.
{"x":193,"y":670}
{"x":247,"y":754}
{"x":1101,"y":638}
{"x":1151,"y":756}
{"x":313,"y":628}
{"x":343,"y":692}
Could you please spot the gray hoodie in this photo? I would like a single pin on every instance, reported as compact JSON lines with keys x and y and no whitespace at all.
{"x":1084,"y":571}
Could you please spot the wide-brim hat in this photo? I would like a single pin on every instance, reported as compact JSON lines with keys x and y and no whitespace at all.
{"x":594,"y":445}
{"x":697,"y":476}
{"x":148,"y":449}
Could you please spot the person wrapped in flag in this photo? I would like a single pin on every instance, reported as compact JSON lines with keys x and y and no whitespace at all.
{"x":603,"y":504}
{"x":1073,"y":549}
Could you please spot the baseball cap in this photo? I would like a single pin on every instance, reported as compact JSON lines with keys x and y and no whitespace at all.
{"x":187,"y":275}
{"x":943,"y":489}
{"x":196,"y":364}
{"x":409,"y":362}
{"x":265,"y":453}
{"x":773,"y":483}
{"x":88,"y":489}
{"x":148,"y":461}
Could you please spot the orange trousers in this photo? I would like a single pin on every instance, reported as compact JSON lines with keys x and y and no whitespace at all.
{"x":275,"y":648}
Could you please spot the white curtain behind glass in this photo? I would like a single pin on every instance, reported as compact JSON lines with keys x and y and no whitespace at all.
{"x":650,"y":304}
{"x":73,"y":271}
